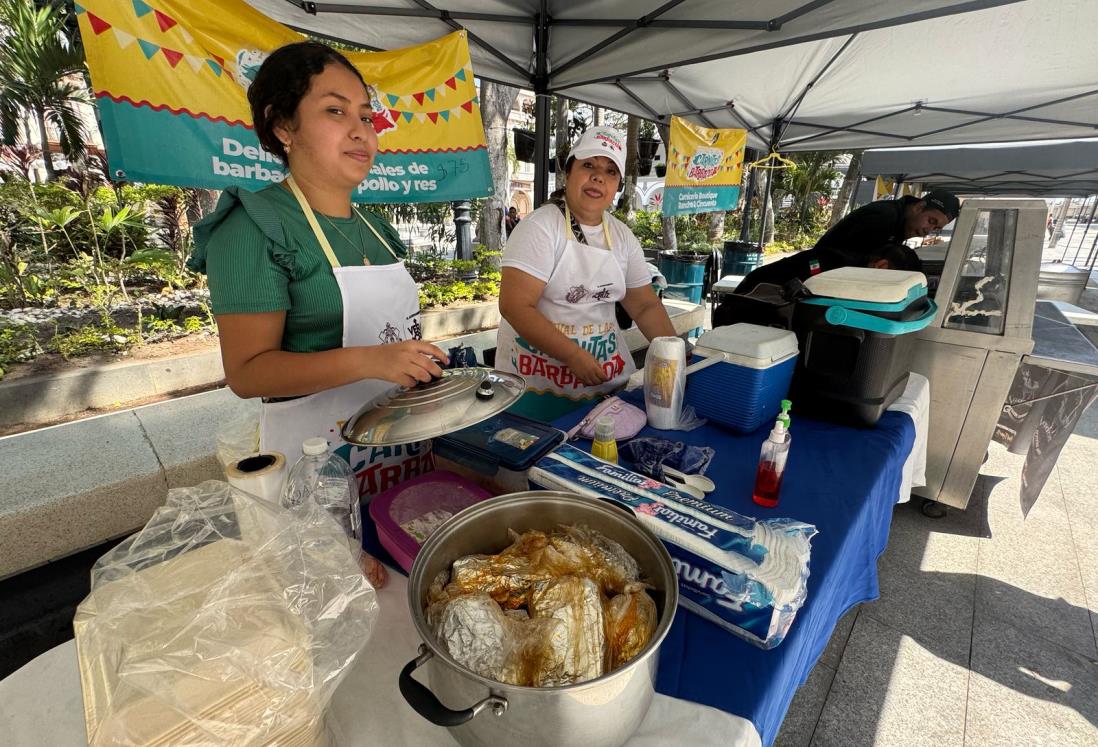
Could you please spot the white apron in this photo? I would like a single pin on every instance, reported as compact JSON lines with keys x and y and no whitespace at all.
{"x":579,"y":300}
{"x":380,"y":305}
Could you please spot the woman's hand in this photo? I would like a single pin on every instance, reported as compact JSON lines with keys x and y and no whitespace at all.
{"x":586,"y":368}
{"x":406,"y":363}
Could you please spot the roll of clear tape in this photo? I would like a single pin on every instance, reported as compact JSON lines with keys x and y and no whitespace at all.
{"x":261,"y":475}
{"x":665,"y":381}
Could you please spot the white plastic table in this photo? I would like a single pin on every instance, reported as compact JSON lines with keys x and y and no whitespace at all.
{"x":41,"y":704}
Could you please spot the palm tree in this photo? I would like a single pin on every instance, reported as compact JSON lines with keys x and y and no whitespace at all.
{"x":40,"y":73}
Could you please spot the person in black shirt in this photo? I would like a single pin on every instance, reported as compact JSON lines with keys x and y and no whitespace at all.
{"x":860,"y":239}
{"x":890,"y":222}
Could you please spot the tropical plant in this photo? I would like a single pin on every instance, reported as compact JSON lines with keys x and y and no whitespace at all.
{"x":40,"y":73}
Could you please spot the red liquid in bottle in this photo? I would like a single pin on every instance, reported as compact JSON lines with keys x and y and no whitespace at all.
{"x":768,"y":481}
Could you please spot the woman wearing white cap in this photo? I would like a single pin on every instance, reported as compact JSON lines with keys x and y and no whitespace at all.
{"x":564,"y":267}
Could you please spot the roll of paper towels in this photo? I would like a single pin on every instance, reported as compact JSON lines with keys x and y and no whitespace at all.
{"x":259,"y":474}
{"x":665,"y":381}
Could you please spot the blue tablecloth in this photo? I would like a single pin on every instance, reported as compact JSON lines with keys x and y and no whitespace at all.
{"x":843,"y":480}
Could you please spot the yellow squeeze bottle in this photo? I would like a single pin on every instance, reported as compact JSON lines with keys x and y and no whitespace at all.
{"x":604,"y":446}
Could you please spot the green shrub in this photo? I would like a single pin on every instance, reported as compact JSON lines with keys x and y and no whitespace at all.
{"x":485,"y":289}
{"x":432,"y":293}
{"x":194,"y":324}
{"x":106,"y":337}
{"x":487,"y":261}
{"x":464,"y":266}
{"x":18,"y":344}
{"x":779,"y":247}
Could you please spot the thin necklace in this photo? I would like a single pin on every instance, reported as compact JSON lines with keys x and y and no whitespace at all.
{"x":365,"y":259}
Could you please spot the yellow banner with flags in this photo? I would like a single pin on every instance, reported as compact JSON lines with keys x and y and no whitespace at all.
{"x":704,"y":168}
{"x":885,"y":189}
{"x":171,"y":77}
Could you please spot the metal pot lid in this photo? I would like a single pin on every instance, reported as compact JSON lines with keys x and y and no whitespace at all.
{"x":462,"y":397}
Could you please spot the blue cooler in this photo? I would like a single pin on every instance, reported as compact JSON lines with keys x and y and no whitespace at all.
{"x":856,"y":341}
{"x":741,"y":375}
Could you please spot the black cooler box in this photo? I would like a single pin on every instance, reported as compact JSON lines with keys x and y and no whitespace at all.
{"x":855,"y":336}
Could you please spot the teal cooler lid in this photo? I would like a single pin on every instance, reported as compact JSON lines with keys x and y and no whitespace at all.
{"x":855,"y":296}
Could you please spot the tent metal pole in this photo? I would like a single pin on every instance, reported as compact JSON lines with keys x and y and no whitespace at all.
{"x":775,"y":135}
{"x":666,"y":77}
{"x":745,"y":223}
{"x":423,"y":12}
{"x":628,"y":28}
{"x":964,"y":7}
{"x":1011,"y":114}
{"x":541,"y":105}
{"x":1090,"y":220}
{"x":449,"y":21}
{"x":1093,"y":252}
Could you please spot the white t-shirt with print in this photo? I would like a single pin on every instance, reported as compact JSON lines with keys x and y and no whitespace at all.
{"x":538,"y":241}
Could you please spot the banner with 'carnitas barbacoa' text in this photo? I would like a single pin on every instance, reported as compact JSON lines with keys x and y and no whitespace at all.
{"x":171,"y":80}
{"x":704,"y":169}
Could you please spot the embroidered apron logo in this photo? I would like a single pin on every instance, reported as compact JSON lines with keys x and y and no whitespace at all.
{"x":576,"y":294}
{"x":389,"y":334}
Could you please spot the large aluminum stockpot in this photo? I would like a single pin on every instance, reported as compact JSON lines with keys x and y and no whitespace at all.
{"x":597,"y":713}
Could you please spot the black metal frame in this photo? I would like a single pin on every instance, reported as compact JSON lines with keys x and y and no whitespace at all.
{"x":540,"y":79}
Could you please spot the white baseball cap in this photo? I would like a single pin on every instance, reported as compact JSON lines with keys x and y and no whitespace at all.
{"x":601,"y":141}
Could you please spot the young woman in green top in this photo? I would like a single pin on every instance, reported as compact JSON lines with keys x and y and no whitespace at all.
{"x":315,"y":310}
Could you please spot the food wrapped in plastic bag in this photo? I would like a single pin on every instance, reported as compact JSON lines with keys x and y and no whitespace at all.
{"x":226,"y":620}
{"x":631,"y":619}
{"x":577,"y":647}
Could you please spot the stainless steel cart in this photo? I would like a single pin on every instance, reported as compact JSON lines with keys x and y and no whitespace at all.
{"x":986,"y":295}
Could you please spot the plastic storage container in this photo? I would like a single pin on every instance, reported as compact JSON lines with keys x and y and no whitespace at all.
{"x":856,"y":342}
{"x":745,"y":389}
{"x":504,"y":441}
{"x":406,"y":514}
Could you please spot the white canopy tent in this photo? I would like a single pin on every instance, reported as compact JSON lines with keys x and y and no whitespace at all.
{"x":1054,"y":168}
{"x":798,"y":74}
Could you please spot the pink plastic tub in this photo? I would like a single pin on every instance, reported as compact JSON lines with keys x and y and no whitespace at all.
{"x":406,"y":514}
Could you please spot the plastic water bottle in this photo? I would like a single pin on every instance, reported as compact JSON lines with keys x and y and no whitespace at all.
{"x":327,"y":479}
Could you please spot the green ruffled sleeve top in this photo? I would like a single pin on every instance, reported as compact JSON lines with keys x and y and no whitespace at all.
{"x":260,"y":255}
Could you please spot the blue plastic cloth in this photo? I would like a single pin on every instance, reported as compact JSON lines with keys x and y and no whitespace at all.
{"x":650,"y":454}
{"x":844,"y":481}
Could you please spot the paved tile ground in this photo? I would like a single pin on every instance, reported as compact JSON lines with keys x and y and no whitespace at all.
{"x":985,"y":632}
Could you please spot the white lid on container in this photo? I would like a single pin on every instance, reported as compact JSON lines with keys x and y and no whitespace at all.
{"x":865,"y":284}
{"x":748,"y":344}
{"x":314,"y":446}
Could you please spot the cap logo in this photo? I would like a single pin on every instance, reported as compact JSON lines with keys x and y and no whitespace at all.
{"x":607,"y":141}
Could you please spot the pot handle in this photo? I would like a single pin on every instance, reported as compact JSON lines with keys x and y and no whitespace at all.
{"x":426,"y":703}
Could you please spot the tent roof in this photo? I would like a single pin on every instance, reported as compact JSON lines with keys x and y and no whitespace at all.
{"x":841,"y":73}
{"x":1061,"y":168}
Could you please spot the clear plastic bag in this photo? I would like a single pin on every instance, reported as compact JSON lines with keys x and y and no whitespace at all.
{"x":225,"y":620}
{"x":239,"y":437}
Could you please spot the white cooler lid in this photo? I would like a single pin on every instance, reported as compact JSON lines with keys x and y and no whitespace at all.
{"x":865,"y":284}
{"x":748,"y":344}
